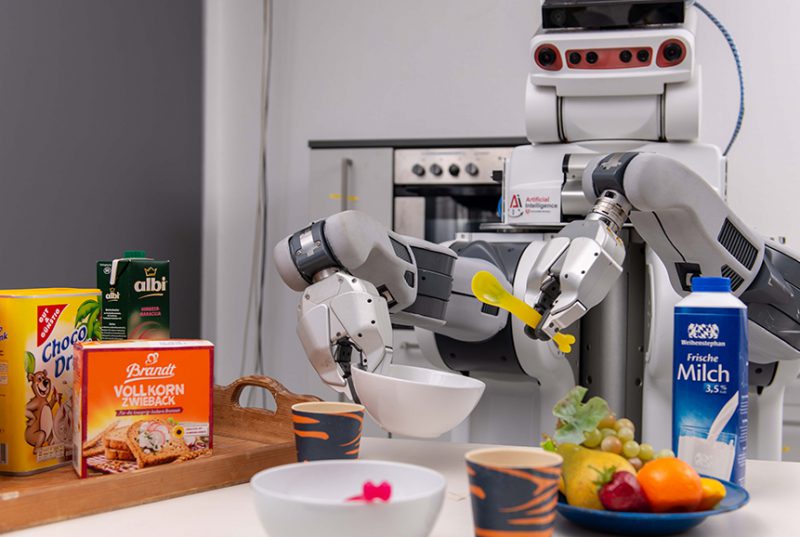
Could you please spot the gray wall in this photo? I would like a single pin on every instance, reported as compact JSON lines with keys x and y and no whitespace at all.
{"x":101,"y":141}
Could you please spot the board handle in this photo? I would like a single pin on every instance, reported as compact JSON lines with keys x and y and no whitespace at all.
{"x":258,"y":424}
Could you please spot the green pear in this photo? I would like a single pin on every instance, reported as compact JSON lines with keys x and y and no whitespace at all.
{"x":585,"y":469}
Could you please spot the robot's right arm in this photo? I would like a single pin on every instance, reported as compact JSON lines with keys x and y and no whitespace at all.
{"x":413,"y":276}
{"x":354,"y":273}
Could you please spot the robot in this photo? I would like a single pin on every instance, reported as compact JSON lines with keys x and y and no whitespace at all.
{"x":613,"y":183}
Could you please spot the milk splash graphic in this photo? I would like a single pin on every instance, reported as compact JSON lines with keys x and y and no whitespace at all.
{"x":715,"y":454}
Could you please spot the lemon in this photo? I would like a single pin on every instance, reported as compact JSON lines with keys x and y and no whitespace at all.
{"x":713,"y":493}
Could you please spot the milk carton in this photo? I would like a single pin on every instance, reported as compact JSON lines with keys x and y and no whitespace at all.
{"x":709,"y":405}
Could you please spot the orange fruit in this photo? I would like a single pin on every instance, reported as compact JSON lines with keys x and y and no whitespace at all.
{"x":713,"y":493}
{"x":670,"y":484}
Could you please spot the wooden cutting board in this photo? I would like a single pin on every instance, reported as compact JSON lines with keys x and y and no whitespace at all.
{"x":246,"y":441}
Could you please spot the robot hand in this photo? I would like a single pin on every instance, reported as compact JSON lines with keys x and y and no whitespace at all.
{"x":339,"y":313}
{"x":576,"y":270}
{"x":354,"y":274}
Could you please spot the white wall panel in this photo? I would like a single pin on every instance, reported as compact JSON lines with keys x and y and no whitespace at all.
{"x":420,"y":68}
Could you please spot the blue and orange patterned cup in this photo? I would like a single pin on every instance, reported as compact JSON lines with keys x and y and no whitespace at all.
{"x":324,"y":431}
{"x":514,"y":491}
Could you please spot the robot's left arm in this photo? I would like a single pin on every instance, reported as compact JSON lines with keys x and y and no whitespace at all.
{"x":690,"y":228}
{"x":681,"y":217}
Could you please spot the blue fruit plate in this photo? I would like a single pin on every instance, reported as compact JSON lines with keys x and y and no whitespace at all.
{"x":650,"y":523}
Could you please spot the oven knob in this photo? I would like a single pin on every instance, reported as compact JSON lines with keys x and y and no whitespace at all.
{"x":454,"y":170}
{"x":471,"y":169}
{"x":436,"y":169}
{"x":418,"y":170}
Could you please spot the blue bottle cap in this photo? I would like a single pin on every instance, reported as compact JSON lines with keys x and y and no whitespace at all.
{"x":711,"y":284}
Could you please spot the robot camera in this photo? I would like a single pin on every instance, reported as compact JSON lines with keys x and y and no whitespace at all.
{"x":605,"y":14}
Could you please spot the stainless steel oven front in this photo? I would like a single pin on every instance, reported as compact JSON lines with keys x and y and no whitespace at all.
{"x":439,"y":192}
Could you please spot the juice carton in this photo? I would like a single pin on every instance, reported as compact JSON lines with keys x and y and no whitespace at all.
{"x":135,"y":293}
{"x":38,"y":328}
{"x":141,"y":403}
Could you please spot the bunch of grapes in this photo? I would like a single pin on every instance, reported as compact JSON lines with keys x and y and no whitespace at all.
{"x":616,"y":436}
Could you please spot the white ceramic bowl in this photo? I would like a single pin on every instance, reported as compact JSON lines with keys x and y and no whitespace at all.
{"x":309,"y":499}
{"x":416,"y":401}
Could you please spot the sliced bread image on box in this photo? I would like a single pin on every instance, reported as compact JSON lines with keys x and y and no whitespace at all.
{"x":119,"y":454}
{"x":115,"y":445}
{"x":117,"y":439}
{"x":154,"y":441}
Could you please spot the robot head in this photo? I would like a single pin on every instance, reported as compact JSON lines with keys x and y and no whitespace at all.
{"x":600,"y":71}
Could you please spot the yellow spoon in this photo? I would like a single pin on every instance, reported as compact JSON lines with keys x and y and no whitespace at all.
{"x":488,"y":290}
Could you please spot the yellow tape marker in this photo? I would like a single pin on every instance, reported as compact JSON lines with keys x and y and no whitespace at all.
{"x":339,"y":196}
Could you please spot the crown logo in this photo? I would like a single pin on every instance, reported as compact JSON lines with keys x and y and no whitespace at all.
{"x":150,"y":272}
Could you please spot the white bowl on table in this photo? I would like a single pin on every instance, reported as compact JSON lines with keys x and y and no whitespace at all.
{"x":416,"y":401}
{"x":310,"y":499}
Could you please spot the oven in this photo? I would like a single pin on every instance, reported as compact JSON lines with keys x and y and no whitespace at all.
{"x":430,"y":189}
{"x":439,"y":192}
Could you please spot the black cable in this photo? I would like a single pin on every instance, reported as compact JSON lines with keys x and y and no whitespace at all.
{"x":342,"y":356}
{"x":264,"y":187}
{"x":257,"y":287}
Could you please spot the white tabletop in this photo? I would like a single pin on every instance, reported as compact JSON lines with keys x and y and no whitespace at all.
{"x":774,"y":508}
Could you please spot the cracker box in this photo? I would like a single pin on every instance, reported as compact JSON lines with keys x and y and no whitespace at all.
{"x":38,"y":328}
{"x":141,"y":404}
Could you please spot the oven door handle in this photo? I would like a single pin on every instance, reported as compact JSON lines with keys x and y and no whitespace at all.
{"x":347,"y":165}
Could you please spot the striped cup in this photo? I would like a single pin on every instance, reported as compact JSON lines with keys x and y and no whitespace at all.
{"x":514,"y":491}
{"x":325,"y":431}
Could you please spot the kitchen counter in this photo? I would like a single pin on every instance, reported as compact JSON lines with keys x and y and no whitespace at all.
{"x":773,"y":509}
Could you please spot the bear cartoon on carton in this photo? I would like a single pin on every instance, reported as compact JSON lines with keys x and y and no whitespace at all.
{"x":39,"y":410}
